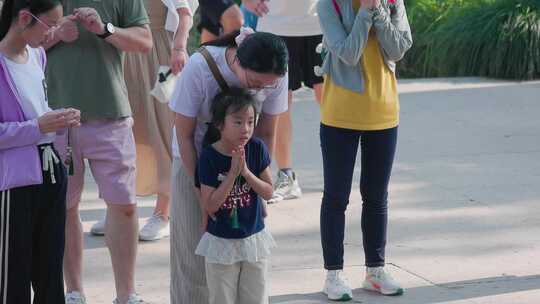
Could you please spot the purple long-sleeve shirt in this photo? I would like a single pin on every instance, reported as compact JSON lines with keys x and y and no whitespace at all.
{"x":19,"y":156}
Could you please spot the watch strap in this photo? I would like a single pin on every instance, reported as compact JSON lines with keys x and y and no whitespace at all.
{"x":107,"y":32}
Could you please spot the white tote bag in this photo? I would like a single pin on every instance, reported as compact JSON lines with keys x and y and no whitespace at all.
{"x":164,"y":86}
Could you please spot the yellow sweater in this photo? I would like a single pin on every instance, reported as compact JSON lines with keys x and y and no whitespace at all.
{"x":377,"y":108}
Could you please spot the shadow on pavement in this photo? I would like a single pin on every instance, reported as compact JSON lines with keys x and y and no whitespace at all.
{"x":452,"y":291}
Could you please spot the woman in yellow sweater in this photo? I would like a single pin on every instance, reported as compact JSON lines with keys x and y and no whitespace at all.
{"x":364,"y":39}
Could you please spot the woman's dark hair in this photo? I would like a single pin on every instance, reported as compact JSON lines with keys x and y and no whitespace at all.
{"x":225,"y":103}
{"x":11,"y":9}
{"x":260,"y":52}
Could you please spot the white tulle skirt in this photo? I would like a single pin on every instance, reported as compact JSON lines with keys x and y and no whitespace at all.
{"x":230,"y":251}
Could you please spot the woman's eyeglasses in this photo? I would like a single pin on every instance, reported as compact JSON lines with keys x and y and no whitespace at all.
{"x":50,"y":29}
{"x":257,"y":86}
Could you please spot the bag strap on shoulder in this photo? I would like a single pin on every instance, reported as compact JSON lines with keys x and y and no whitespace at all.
{"x":214,"y":68}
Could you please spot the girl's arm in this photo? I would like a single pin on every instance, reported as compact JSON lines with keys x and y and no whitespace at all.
{"x":261,"y":185}
{"x":19,"y":134}
{"x":213,"y":198}
{"x":393,"y":31}
{"x":25,"y":133}
{"x":348,"y":47}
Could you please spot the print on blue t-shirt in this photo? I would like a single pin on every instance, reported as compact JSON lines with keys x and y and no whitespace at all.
{"x":212,"y":170}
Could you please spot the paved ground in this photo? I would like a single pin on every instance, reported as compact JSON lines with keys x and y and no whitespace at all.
{"x":464,"y":216}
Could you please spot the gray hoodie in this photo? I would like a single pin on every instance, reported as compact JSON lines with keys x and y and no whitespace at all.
{"x":346,"y":38}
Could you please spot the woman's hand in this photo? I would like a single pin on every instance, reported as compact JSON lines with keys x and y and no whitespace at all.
{"x":179,"y":57}
{"x":57,"y":120}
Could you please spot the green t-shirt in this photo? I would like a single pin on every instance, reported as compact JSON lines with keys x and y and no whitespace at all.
{"x":88,"y":74}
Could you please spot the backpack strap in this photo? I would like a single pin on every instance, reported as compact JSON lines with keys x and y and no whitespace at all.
{"x":338,"y":10}
{"x":214,"y":68}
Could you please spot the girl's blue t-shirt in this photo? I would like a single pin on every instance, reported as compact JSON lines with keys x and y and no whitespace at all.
{"x":212,"y":169}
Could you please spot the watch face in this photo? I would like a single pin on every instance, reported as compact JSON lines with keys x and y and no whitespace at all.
{"x":110,"y":28}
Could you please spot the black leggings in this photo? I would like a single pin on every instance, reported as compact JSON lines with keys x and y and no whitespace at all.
{"x":339,"y":149}
{"x":32,"y":229}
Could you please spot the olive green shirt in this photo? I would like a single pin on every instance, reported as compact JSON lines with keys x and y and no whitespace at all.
{"x":88,"y":74}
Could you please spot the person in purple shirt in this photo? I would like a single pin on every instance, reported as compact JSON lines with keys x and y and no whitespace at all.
{"x":32,"y":179}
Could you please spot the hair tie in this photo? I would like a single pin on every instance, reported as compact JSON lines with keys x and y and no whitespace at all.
{"x":244,"y":32}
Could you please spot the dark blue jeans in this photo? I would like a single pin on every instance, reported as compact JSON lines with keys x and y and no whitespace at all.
{"x":339,"y":149}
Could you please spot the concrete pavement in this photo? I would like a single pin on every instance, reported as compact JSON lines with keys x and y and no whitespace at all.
{"x":464,"y":205}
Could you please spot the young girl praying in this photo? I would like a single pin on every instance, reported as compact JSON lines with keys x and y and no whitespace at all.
{"x":234,"y":174}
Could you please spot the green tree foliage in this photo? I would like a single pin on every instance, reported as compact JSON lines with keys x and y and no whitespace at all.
{"x":493,"y":38}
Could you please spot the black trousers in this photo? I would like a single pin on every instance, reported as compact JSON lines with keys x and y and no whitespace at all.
{"x":32,"y":235}
{"x":339,"y":149}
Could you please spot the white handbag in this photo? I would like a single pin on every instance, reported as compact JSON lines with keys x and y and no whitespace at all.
{"x":165,"y":84}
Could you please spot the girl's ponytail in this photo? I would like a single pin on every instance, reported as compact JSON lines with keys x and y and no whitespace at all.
{"x":227,"y":40}
{"x":6,"y":18}
{"x":212,"y":135}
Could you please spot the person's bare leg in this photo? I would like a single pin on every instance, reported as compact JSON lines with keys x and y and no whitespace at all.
{"x":284,"y":131}
{"x":162,"y":205}
{"x":318,"y":89}
{"x":121,"y":233}
{"x":284,"y":138}
{"x":207,"y":36}
{"x":73,"y":252}
{"x":232,"y":19}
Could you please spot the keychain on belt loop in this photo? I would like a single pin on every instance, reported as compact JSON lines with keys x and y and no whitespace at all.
{"x":69,"y":154}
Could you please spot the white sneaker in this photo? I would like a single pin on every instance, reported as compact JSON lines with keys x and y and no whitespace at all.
{"x":98,"y":228}
{"x":286,"y":187}
{"x":377,"y":279}
{"x":133,"y":299}
{"x":75,"y":297}
{"x":335,"y":286}
{"x":155,"y":228}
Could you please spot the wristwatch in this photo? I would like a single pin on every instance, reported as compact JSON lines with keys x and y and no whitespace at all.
{"x":109,"y":30}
